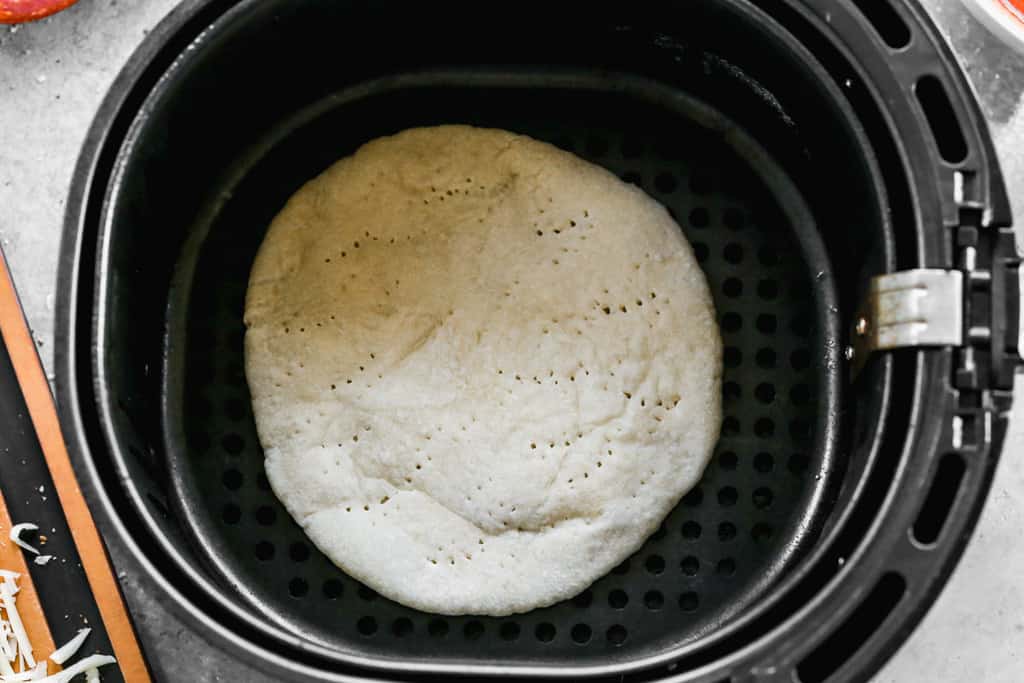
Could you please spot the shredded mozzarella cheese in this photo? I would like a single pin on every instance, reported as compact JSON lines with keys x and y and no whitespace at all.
{"x":81,"y":666}
{"x":17,"y":663}
{"x":24,"y":645}
{"x":68,"y":649}
{"x":16,"y":535}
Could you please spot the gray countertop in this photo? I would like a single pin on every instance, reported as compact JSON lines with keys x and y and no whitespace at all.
{"x":53,"y":75}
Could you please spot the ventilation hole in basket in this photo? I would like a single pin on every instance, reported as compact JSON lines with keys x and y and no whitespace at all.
{"x":584,"y":599}
{"x":886,"y":21}
{"x":298,"y":551}
{"x":232,"y":480}
{"x":298,"y":588}
{"x":633,"y":178}
{"x":654,"y":600}
{"x":941,"y":118}
{"x":617,"y":599}
{"x":264,"y":551}
{"x":765,"y":358}
{"x":733,"y":253}
{"x":732,"y":287}
{"x":665,"y":182}
{"x":862,"y":623}
{"x":800,"y":359}
{"x":632,"y":148}
{"x":941,"y":498}
{"x":764,"y":463}
{"x":699,"y":217}
{"x":732,"y":322}
{"x":262,"y":483}
{"x":733,"y":219}
{"x":727,"y":496}
{"x":621,"y":568}
{"x":617,"y":635}
{"x":473,"y":630}
{"x":580,"y":634}
{"x":726,"y":531}
{"x":366,"y":594}
{"x":762,"y":498}
{"x":800,"y":325}
{"x":731,"y":391}
{"x":655,"y":564}
{"x":366,"y":626}
{"x":701,"y":183}
{"x":725,"y":567}
{"x":235,"y":409}
{"x":700,"y":251}
{"x":800,"y":394}
{"x":762,"y":532}
{"x":509,"y":631}
{"x":332,"y":589}
{"x":727,"y":460}
{"x":694,"y":498}
{"x":768,"y":256}
{"x":764,"y":427}
{"x":768,"y":289}
{"x":766,"y":323}
{"x":732,"y":357}
{"x":730,"y":426}
{"x":689,"y":602}
{"x":596,"y":146}
{"x":233,"y":444}
{"x":691,"y":530}
{"x":265,"y":515}
{"x":800,"y":430}
{"x":231,"y":514}
{"x":402,"y":627}
{"x":765,"y":393}
{"x":690,"y":565}
{"x":545,"y":632}
{"x":437,"y":628}
{"x":798,"y":463}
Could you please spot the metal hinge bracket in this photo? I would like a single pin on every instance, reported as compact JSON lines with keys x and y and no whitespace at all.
{"x":909,"y":308}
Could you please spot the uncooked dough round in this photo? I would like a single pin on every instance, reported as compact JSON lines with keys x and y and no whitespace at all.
{"x":483,"y":370}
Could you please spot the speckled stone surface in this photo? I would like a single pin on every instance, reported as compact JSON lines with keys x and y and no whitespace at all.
{"x":52,"y":76}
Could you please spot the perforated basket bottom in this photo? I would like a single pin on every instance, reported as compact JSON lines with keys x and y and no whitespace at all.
{"x":717,"y":552}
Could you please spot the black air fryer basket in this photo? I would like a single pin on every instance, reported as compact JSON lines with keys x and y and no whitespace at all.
{"x":831,"y":169}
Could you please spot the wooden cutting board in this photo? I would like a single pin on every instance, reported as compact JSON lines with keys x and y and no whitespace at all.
{"x":78,"y":587}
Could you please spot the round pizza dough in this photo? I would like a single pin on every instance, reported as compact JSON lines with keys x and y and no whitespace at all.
{"x":483,"y":370}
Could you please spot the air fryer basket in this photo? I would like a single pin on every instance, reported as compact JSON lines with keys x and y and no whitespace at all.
{"x":786,"y":139}
{"x":753,"y":513}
